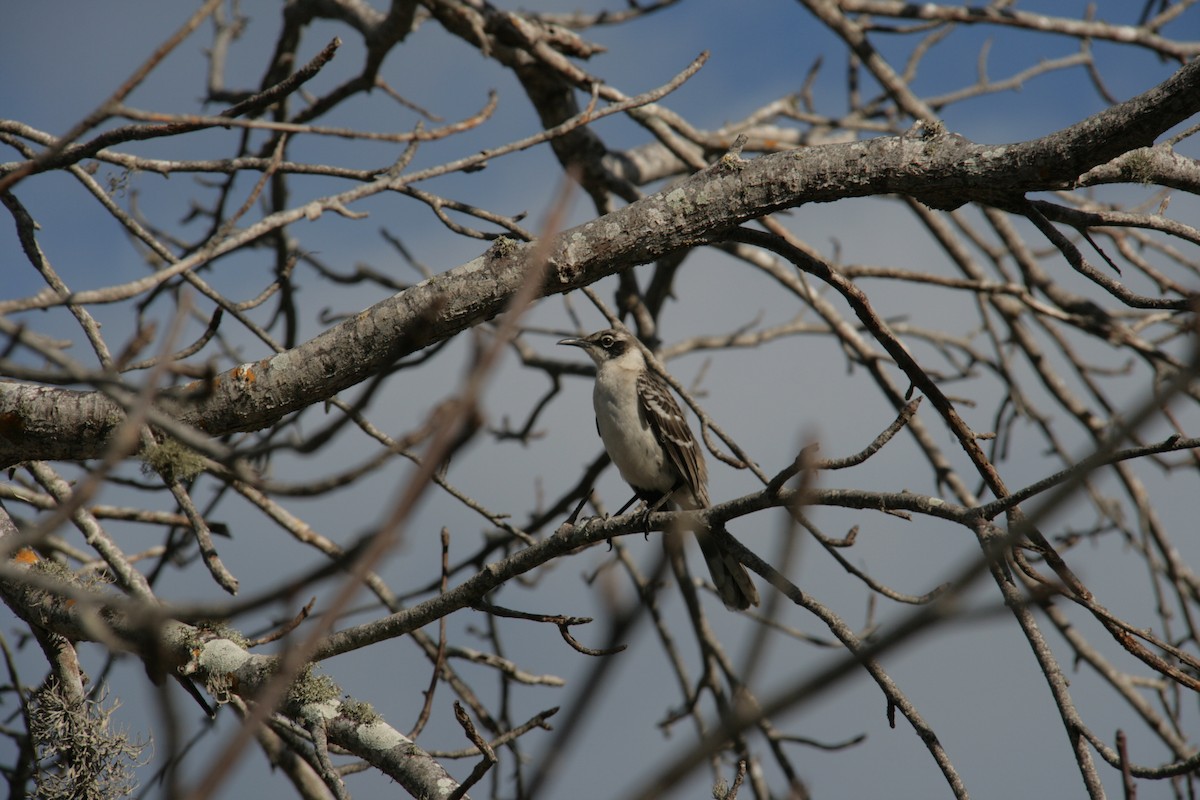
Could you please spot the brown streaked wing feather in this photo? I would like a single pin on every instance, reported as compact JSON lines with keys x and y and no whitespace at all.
{"x":670,"y":426}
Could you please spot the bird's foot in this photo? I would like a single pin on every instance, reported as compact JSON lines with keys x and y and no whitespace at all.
{"x":645,"y":512}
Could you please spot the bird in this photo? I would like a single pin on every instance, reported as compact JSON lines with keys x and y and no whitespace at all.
{"x":647,"y":436}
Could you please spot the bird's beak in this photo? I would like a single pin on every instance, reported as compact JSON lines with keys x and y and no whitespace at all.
{"x":574,"y":342}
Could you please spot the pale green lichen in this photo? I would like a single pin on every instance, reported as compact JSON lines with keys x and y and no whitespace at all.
{"x":1138,"y":166}
{"x":171,"y":459}
{"x":219,"y":630}
{"x":310,"y":687}
{"x":218,"y":661}
{"x":80,"y":755}
{"x":503,"y":246}
{"x":730,"y":162}
{"x":53,"y":568}
{"x":360,"y":712}
{"x":92,"y":579}
{"x":677,"y":199}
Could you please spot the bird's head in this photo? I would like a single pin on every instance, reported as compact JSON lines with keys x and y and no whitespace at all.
{"x":609,"y":346}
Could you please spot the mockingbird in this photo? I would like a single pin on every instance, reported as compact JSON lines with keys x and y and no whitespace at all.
{"x":648,"y":438}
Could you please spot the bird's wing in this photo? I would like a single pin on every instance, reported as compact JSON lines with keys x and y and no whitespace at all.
{"x":671,"y":429}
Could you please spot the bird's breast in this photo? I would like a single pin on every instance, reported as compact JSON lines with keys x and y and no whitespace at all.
{"x":628,"y":439}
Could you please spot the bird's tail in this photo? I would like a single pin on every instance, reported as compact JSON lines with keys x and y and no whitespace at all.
{"x":728,"y":575}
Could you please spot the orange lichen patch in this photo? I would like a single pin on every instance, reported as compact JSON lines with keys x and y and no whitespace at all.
{"x":26,"y":555}
{"x":245,"y":373}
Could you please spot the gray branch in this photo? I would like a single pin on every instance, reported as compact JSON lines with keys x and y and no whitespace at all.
{"x":941,"y":170}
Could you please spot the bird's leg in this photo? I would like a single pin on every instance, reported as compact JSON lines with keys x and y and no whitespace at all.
{"x":625,"y":507}
{"x":575,"y":514}
{"x":659,"y":503}
{"x":621,"y":511}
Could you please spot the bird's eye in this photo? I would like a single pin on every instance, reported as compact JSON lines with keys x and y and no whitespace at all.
{"x":607,"y":341}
